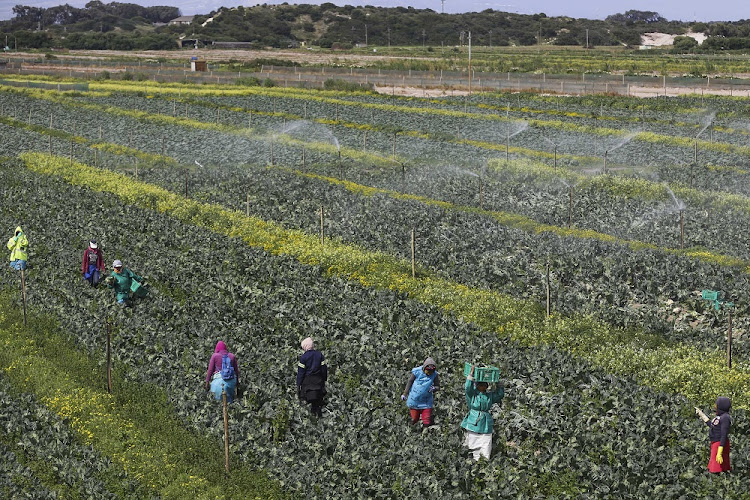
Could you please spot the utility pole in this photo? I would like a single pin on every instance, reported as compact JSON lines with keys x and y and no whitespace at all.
{"x":424,"y":33}
{"x":365,"y":35}
{"x":490,"y":33}
{"x":389,"y":36}
{"x":587,"y":38}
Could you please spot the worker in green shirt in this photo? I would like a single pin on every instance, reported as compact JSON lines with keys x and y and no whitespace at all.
{"x":478,"y":422}
{"x":123,"y":281}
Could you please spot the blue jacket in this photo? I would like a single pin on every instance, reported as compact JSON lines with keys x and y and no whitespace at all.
{"x":420,"y":396}
{"x":311,"y":363}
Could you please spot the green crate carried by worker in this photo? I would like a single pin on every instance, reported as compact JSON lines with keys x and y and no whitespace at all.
{"x":489,"y":374}
{"x":138,"y":289}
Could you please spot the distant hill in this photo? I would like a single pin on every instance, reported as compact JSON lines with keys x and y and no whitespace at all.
{"x":126,"y":26}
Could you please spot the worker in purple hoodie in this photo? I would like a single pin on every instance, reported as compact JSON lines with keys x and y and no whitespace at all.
{"x":718,"y":435}
{"x":223,"y":372}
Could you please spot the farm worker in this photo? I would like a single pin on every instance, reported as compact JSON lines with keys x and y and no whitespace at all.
{"x":18,"y":246}
{"x":93,"y":263}
{"x":121,"y":280}
{"x":718,"y":435}
{"x":312,"y":373}
{"x":422,"y":384}
{"x":478,"y":422}
{"x":223,"y":372}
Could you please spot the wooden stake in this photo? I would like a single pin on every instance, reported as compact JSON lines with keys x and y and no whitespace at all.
{"x":570,"y":206}
{"x":50,"y":121}
{"x":109,"y":357}
{"x":682,"y":229}
{"x":174,"y":108}
{"x":549,"y":306}
{"x":394,"y":145}
{"x":23,"y":295}
{"x":29,"y":121}
{"x":100,"y":132}
{"x":322,"y":234}
{"x":507,"y":146}
{"x":226,"y":428}
{"x":481,"y":193}
{"x":695,"y":152}
{"x":413,"y":255}
{"x":555,"y":158}
{"x":729,"y":341}
{"x":218,"y":114}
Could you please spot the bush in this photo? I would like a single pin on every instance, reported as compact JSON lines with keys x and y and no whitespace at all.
{"x":269,"y":83}
{"x":248,"y":81}
{"x":141,"y":77}
{"x":341,"y":46}
{"x":127,"y":76}
{"x":345,"y":86}
{"x":104,"y":75}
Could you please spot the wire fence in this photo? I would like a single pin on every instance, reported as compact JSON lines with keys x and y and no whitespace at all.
{"x":315,"y":77}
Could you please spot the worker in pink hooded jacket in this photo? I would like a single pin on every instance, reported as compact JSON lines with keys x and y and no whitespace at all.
{"x":223,"y":372}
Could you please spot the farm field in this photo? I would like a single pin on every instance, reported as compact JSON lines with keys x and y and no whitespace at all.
{"x":619,"y":210}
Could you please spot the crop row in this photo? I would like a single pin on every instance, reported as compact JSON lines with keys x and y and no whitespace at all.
{"x":641,"y":296}
{"x":47,"y":452}
{"x":264,"y":304}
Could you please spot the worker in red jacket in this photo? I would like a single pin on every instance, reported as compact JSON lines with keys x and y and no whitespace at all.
{"x":92,"y":266}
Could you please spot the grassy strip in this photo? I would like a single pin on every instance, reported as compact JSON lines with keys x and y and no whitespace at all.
{"x":134,"y":427}
{"x":648,"y":358}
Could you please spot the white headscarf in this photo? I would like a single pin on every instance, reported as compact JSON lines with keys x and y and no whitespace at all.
{"x":308,"y":344}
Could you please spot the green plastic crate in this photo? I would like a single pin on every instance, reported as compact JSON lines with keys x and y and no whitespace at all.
{"x":489,"y":374}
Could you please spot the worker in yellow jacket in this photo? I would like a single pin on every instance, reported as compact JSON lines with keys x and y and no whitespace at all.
{"x":18,"y":246}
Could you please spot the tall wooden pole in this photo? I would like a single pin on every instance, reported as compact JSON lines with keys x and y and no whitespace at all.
{"x":570,"y":206}
{"x":549,"y":305}
{"x":109,"y":357}
{"x":226,"y":428}
{"x":682,"y":229}
{"x":23,"y":295}
{"x":322,"y":234}
{"x":729,"y":341}
{"x":413,"y":255}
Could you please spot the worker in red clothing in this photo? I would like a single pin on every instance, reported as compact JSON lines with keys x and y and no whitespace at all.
{"x":718,"y":435}
{"x":92,"y":266}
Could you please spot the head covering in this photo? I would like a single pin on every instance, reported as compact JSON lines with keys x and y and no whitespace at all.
{"x":723,"y":404}
{"x":308,"y":344}
{"x":92,"y":244}
{"x":18,"y":230}
{"x":117,"y":263}
{"x":221,"y":346}
{"x":429,"y":362}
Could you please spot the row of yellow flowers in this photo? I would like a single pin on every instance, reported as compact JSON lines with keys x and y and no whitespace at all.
{"x":680,"y":368}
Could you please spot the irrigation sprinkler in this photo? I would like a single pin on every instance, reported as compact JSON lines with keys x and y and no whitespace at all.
{"x":100,"y":132}
{"x":394,"y":145}
{"x":247,"y":204}
{"x":341,"y":168}
{"x":364,"y":140}
{"x":570,"y":206}
{"x":507,"y":146}
{"x":322,"y":233}
{"x":337,"y":111}
{"x":413,"y":255}
{"x":174,"y":108}
{"x":130,"y":138}
{"x":23,"y":294}
{"x":481,"y":193}
{"x":218,"y":115}
{"x":272,"y":157}
{"x":305,"y":111}
{"x":555,"y":157}
{"x":226,"y":428}
{"x":682,"y":229}
{"x":304,"y":160}
{"x":715,"y":297}
{"x":50,"y":120}
{"x":109,"y":357}
{"x":29,"y":120}
{"x":695,"y":151}
{"x":71,"y":151}
{"x":186,"y":183}
{"x":136,"y":169}
{"x":604,"y":170}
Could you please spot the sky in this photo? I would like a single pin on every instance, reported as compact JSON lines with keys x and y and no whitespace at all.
{"x":685,"y":10}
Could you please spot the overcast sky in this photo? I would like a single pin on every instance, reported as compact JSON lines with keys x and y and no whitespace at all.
{"x":686,"y":10}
